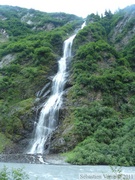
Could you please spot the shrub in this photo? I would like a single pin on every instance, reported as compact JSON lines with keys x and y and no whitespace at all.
{"x":14,"y":174}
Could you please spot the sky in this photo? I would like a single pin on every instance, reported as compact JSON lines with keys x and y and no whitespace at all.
{"x":80,"y":8}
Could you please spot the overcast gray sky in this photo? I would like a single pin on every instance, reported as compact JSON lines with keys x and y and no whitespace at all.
{"x":78,"y":7}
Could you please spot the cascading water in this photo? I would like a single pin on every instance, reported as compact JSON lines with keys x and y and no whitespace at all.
{"x":48,"y":119}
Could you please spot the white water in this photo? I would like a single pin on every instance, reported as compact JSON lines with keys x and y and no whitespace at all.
{"x":48,"y":119}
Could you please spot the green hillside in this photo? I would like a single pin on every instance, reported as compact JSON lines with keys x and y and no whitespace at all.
{"x":100,"y":117}
{"x":30,"y":44}
{"x":97,"y":119}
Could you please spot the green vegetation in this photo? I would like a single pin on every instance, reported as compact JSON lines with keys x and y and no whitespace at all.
{"x":4,"y":142}
{"x":103,"y":93}
{"x":14,"y":174}
{"x":31,"y":51}
{"x":100,"y":117}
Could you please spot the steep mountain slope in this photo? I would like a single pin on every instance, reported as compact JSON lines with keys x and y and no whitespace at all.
{"x":97,"y":117}
{"x":100,"y":102}
{"x":31,"y":43}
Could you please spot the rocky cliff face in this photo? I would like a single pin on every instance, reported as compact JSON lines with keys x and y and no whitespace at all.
{"x":98,"y":95}
{"x":31,"y":44}
{"x":124,"y":29}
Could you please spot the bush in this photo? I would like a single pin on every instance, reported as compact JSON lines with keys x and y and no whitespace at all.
{"x":14,"y":174}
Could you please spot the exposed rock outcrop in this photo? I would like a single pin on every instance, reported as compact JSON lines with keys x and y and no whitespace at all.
{"x":124,"y":29}
{"x":7,"y":60}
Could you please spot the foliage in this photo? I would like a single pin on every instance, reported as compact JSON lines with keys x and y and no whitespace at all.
{"x":35,"y":40}
{"x":14,"y":174}
{"x":129,"y":53}
{"x":91,"y":32}
{"x":4,"y":142}
{"x":103,"y":93}
{"x":107,"y":145}
{"x":89,"y":118}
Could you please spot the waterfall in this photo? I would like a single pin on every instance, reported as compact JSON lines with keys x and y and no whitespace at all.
{"x":48,"y":119}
